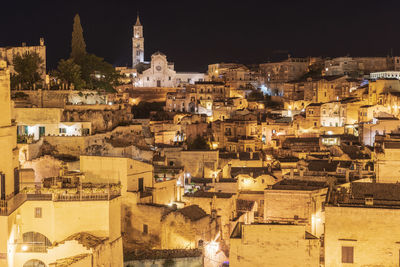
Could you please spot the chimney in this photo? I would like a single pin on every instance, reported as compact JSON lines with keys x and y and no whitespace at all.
{"x":23,"y":44}
{"x":41,"y":41}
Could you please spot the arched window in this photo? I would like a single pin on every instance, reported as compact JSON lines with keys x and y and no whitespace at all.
{"x":35,"y":242}
{"x":34,"y":263}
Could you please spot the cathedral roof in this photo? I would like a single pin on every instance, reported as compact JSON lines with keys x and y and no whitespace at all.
{"x":159,"y":53}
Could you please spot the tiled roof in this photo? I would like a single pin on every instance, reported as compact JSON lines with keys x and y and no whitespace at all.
{"x":203,"y":194}
{"x":244,"y":205}
{"x":192,"y":212}
{"x":322,"y":166}
{"x":379,"y":191}
{"x":291,"y":184}
{"x":252,"y":171}
{"x":392,"y":145}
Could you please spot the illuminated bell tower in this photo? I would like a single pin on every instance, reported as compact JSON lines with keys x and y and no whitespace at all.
{"x":137,"y":44}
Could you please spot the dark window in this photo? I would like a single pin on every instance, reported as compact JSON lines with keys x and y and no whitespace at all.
{"x":140,"y":185}
{"x":347,"y":254}
{"x":42,"y":130}
{"x":2,"y":186}
{"x":16,"y":181}
{"x":145,"y":229}
{"x":323,"y":206}
{"x":62,"y":130}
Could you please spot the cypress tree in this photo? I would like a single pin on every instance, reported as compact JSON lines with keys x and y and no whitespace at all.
{"x":78,"y":46}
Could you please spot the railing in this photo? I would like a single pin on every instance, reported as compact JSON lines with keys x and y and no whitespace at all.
{"x":31,"y":247}
{"x":8,"y":206}
{"x":39,"y":197}
{"x":84,"y":197}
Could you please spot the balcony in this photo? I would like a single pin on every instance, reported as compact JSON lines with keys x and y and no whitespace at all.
{"x":9,"y":206}
{"x":31,"y":247}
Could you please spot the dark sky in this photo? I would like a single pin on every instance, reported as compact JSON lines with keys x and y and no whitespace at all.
{"x":194,"y":34}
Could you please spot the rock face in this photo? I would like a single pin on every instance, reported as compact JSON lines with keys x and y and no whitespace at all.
{"x":102,"y":120}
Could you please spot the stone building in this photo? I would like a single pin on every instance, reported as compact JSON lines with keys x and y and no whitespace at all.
{"x":197,"y":97}
{"x":7,"y":54}
{"x":37,"y":122}
{"x":297,"y":201}
{"x":356,"y":65}
{"x":217,"y":71}
{"x":284,"y":71}
{"x":378,"y":88}
{"x":273,"y":245}
{"x":333,"y":114}
{"x":61,"y":225}
{"x":221,"y":204}
{"x":387,"y":153}
{"x":356,"y":226}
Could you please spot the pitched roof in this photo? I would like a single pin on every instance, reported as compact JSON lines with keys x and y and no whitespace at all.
{"x":203,"y":194}
{"x":379,"y":191}
{"x":392,"y":145}
{"x":322,"y":166}
{"x":244,"y":205}
{"x":292,"y":184}
{"x":192,"y":212}
{"x":252,"y":171}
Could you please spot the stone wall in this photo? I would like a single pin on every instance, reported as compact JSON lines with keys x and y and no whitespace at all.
{"x":44,"y":167}
{"x":102,"y":120}
{"x":113,"y":143}
{"x":366,"y":229}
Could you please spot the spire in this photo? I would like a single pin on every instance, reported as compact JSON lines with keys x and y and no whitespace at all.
{"x":138,"y":20}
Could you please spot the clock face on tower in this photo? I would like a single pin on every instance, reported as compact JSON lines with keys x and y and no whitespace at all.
{"x":158,"y":68}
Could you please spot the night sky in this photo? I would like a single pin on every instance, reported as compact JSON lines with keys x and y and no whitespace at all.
{"x":194,"y":34}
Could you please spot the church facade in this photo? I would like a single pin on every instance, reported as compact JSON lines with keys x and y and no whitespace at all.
{"x":158,"y":72}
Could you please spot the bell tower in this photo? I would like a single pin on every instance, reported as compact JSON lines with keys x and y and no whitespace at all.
{"x":137,"y":43}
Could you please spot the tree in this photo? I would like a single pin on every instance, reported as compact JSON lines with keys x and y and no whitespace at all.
{"x":198,"y":143}
{"x":27,"y":68}
{"x":70,"y":73}
{"x":78,"y":46}
{"x":97,"y":73}
{"x":256,"y":95}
